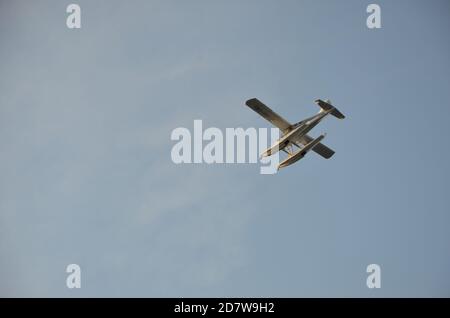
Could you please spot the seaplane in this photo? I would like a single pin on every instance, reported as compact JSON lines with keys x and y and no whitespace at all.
{"x":295,"y":136}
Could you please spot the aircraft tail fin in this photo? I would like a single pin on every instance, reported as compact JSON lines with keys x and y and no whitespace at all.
{"x":327,"y":106}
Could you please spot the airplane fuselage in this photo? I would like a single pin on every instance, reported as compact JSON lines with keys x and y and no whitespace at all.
{"x":296,"y":132}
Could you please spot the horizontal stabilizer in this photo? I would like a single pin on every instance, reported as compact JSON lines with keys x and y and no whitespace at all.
{"x":327,"y":106}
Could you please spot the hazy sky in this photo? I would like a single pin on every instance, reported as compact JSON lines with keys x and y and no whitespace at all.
{"x":86,"y":175}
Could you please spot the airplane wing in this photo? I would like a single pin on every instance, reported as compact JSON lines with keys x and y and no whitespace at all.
{"x":268,"y":114}
{"x":320,"y":148}
{"x":301,"y":153}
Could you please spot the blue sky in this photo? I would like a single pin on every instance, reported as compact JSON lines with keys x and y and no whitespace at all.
{"x":85,"y":169}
